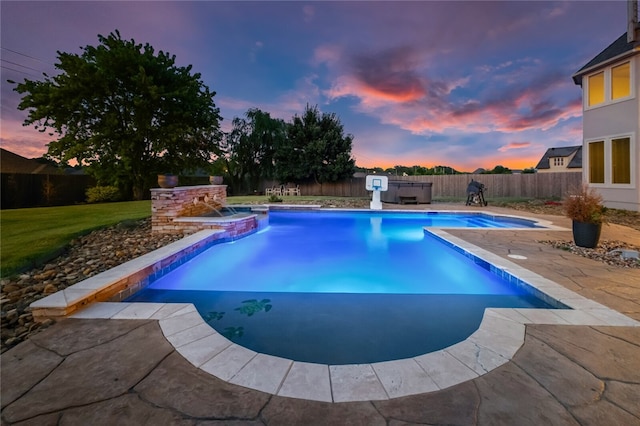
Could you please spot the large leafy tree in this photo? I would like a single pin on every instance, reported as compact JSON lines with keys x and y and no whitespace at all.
{"x":250,"y":146}
{"x":315,"y":149}
{"x":124,"y":112}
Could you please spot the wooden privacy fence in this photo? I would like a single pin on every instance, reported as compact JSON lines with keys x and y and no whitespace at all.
{"x":530,"y":185}
{"x":34,"y":190}
{"x":20,"y":190}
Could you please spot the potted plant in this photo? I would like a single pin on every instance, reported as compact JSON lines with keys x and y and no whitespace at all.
{"x":167,"y":180}
{"x":584,"y":207}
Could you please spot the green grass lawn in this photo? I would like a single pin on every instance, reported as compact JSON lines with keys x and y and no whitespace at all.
{"x":31,"y":236}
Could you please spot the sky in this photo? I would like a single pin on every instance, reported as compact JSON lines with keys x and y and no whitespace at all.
{"x":466,"y":84}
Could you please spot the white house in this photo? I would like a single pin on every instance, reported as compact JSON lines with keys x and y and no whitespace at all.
{"x":611,"y":118}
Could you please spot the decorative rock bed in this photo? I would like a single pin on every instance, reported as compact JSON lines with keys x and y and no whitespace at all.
{"x":609,"y":252}
{"x":86,"y":256}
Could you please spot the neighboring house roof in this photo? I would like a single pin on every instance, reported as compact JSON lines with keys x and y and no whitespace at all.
{"x":14,"y":163}
{"x":567,"y":151}
{"x":615,"y":49}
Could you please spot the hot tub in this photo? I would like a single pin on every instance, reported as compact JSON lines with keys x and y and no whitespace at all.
{"x":405,"y":192}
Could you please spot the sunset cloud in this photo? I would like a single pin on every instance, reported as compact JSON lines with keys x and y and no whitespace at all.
{"x":390,"y":75}
{"x":397,"y":88}
{"x":468,"y":84}
{"x":326,"y":54}
{"x":514,"y":145}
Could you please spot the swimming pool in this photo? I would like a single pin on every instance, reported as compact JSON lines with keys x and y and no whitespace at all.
{"x":345,"y":287}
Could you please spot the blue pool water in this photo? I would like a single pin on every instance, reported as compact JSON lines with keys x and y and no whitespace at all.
{"x":343,"y":287}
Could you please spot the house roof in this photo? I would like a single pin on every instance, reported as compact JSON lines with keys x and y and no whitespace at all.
{"x":14,"y":163}
{"x":615,"y":49}
{"x":575,"y":163}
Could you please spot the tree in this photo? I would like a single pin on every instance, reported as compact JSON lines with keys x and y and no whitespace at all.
{"x":125,"y":113}
{"x":315,"y":149}
{"x":498,"y":170}
{"x":445,"y":170}
{"x":369,"y":170}
{"x":419,"y":170}
{"x":250,"y":147}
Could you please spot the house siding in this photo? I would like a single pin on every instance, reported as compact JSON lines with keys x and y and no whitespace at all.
{"x":611,"y":120}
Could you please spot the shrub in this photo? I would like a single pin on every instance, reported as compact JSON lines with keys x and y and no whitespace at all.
{"x":584,"y":205}
{"x":102,"y":194}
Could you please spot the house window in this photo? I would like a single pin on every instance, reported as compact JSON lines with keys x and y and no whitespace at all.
{"x":613,"y":84}
{"x":621,"y":160}
{"x":558,"y":161}
{"x":610,"y":161}
{"x":596,"y":162}
{"x":621,"y":81}
{"x":596,"y":89}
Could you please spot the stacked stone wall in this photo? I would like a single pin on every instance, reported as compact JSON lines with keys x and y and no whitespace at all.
{"x":168,"y":204}
{"x":233,"y":228}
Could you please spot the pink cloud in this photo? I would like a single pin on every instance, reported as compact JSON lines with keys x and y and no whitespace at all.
{"x":396,"y":91}
{"x":326,"y":54}
{"x":25,"y":141}
{"x":514,"y":145}
{"x":390,"y":75}
{"x":425,"y":105}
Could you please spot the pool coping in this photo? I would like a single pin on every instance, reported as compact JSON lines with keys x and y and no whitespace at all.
{"x":542,"y":224}
{"x":498,"y":338}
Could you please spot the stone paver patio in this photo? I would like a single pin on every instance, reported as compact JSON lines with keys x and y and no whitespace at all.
{"x":83,"y":371}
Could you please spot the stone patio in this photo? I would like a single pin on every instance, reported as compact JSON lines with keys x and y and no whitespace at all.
{"x":111,"y":371}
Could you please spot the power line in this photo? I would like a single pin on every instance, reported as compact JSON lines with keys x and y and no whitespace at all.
{"x":25,"y":55}
{"x":20,"y":65}
{"x":24,"y":66}
{"x":20,"y":71}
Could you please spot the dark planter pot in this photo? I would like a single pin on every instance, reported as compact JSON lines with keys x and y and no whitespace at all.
{"x":586,"y":234}
{"x":167,"y":181}
{"x":215,"y":180}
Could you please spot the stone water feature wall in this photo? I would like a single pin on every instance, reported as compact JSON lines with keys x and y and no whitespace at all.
{"x":169,"y":204}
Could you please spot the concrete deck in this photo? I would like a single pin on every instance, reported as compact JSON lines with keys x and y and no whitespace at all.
{"x":126,"y":372}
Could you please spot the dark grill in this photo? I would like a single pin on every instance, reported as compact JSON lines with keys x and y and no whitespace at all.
{"x":475,"y":193}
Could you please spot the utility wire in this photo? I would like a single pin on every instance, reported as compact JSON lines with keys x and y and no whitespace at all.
{"x":25,"y":55}
{"x":20,"y":65}
{"x":20,"y":71}
{"x":24,"y":66}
